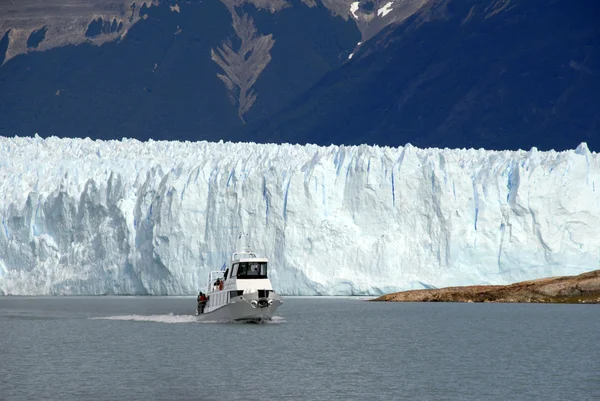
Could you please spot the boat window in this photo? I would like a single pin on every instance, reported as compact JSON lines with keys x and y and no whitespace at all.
{"x":234,"y":270}
{"x":252,"y":270}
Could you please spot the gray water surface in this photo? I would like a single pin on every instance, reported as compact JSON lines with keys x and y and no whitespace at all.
{"x":151,"y":348}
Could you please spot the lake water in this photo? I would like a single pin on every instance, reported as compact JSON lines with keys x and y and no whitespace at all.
{"x":151,"y":348}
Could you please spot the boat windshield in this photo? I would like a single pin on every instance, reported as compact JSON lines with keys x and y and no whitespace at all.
{"x":252,"y":270}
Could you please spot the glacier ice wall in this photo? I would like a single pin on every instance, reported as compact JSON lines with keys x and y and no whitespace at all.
{"x":126,"y":217}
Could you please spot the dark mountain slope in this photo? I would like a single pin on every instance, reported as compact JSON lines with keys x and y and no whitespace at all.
{"x":462,"y":76}
{"x":3,"y":47}
{"x":159,"y":80}
{"x":308,"y":43}
{"x":147,"y":85}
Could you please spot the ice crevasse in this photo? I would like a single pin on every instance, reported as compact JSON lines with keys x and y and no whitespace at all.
{"x":128,"y":217}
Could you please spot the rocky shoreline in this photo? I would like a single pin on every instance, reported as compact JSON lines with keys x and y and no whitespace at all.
{"x":581,"y":289}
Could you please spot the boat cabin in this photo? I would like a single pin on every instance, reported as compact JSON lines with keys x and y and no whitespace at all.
{"x":246,"y":274}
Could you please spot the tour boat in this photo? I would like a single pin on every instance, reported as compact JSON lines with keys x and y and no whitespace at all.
{"x":241,"y":293}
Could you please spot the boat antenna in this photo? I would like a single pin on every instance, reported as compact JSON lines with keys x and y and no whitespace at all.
{"x":243,"y":244}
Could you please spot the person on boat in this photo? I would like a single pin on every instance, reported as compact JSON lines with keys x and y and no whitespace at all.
{"x":201,"y":302}
{"x":218,"y":285}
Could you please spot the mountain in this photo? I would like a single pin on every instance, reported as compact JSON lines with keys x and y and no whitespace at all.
{"x":498,"y":74}
{"x":492,"y":74}
{"x":190,"y":70}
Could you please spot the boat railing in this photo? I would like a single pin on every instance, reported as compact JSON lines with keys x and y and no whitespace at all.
{"x":236,"y":255}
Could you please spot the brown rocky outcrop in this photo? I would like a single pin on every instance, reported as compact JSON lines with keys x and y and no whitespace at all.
{"x":584,"y":288}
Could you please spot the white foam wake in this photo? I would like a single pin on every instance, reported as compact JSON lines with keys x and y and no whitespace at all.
{"x":276,"y":320}
{"x":170,"y":318}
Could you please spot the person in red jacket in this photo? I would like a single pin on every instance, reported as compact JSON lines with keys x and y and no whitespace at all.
{"x":201,"y":302}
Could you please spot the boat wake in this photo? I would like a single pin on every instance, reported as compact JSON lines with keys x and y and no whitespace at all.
{"x":172,"y":318}
{"x":274,"y":320}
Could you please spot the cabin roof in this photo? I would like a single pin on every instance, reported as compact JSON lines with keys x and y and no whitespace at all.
{"x":265,"y":260}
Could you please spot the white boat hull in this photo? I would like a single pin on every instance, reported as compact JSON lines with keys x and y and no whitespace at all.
{"x":240,"y":309}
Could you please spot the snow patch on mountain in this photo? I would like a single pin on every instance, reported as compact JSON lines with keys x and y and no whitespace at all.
{"x":383,"y":11}
{"x":354,"y":9}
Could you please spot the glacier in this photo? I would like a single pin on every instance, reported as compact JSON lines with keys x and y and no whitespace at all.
{"x":83,"y":217}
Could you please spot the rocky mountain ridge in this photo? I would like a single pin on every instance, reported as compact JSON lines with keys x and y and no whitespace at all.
{"x":497,"y":74}
{"x":36,"y":25}
{"x":583,"y":288}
